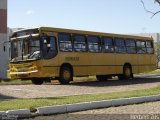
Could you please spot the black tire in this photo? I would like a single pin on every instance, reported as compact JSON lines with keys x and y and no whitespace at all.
{"x":66,"y":75}
{"x":37,"y":81}
{"x":127,"y":73}
{"x":102,"y":77}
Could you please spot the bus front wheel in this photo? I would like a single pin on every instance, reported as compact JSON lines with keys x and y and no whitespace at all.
{"x":37,"y":81}
{"x":66,"y":75}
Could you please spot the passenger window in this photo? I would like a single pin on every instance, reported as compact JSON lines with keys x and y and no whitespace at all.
{"x":107,"y":44}
{"x":93,"y":44}
{"x":149,"y":46}
{"x":65,"y":42}
{"x":141,"y":47}
{"x":120,"y":45}
{"x":131,"y":46}
{"x":79,"y":42}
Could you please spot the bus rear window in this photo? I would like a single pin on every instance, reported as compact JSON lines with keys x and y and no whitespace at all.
{"x":149,"y":46}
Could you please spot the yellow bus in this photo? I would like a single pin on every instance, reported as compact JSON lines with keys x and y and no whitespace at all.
{"x":44,"y":53}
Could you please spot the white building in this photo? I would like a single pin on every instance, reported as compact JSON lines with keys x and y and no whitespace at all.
{"x":155,"y":36}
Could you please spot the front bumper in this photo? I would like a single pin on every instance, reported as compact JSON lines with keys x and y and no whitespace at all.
{"x":20,"y":75}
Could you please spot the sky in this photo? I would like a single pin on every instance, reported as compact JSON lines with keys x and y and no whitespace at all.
{"x":111,"y":16}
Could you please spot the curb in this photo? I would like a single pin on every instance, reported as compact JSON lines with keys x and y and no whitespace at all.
{"x":101,"y":104}
{"x":51,"y":110}
{"x":78,"y":107}
{"x":2,"y":113}
{"x":59,"y":109}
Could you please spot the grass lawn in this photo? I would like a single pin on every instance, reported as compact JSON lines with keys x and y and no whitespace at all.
{"x":153,"y":72}
{"x":32,"y":104}
{"x":14,"y":82}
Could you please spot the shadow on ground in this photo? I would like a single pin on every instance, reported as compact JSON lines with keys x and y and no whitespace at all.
{"x":4,"y":97}
{"x":117,"y":82}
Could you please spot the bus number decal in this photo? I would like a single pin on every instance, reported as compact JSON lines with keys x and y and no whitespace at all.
{"x":72,"y":58}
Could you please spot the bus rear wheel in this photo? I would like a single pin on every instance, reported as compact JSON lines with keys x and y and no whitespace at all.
{"x":127,"y":73}
{"x":37,"y":81}
{"x":102,"y":77}
{"x":66,"y":75}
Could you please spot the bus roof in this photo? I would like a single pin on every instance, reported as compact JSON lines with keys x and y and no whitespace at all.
{"x":93,"y":33}
{"x":50,"y":29}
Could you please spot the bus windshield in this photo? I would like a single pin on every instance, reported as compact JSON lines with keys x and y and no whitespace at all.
{"x":33,"y":48}
{"x":23,"y":49}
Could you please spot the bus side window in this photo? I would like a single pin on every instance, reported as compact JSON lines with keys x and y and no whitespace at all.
{"x":120,"y":45}
{"x":79,"y":42}
{"x":149,"y":46}
{"x":141,"y":47}
{"x":131,"y":46}
{"x":93,"y":44}
{"x":49,"y":47}
{"x":65,"y":42}
{"x":108,"y":45}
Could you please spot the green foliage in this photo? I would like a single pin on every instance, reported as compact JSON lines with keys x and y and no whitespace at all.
{"x":157,"y":50}
{"x":14,"y":82}
{"x":157,"y":1}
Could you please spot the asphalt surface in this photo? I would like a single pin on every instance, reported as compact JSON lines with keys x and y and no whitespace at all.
{"x":80,"y":86}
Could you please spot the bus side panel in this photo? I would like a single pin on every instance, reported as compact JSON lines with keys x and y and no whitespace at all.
{"x":133,"y":61}
{"x":79,"y":62}
{"x":101,"y":63}
{"x":153,"y":62}
{"x":143,"y":63}
{"x":122,"y":59}
{"x":51,"y":67}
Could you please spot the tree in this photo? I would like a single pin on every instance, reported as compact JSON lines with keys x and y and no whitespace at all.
{"x":157,"y":1}
{"x":151,"y":12}
{"x":157,"y":51}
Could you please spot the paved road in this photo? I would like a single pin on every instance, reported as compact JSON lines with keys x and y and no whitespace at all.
{"x":77,"y":88}
{"x":147,"y":111}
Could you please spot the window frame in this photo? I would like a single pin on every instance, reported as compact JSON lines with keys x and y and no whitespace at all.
{"x":135,"y":46}
{"x":99,"y":44}
{"x":41,"y":46}
{"x":73,"y":40}
{"x":116,"y":47}
{"x":138,"y":40}
{"x":152,"y":47}
{"x":103,"y":49}
{"x":59,"y":42}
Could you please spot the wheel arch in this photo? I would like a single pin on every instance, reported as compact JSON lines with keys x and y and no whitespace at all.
{"x":128,"y":64}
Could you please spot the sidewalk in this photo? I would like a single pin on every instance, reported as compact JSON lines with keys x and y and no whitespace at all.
{"x":60,"y":109}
